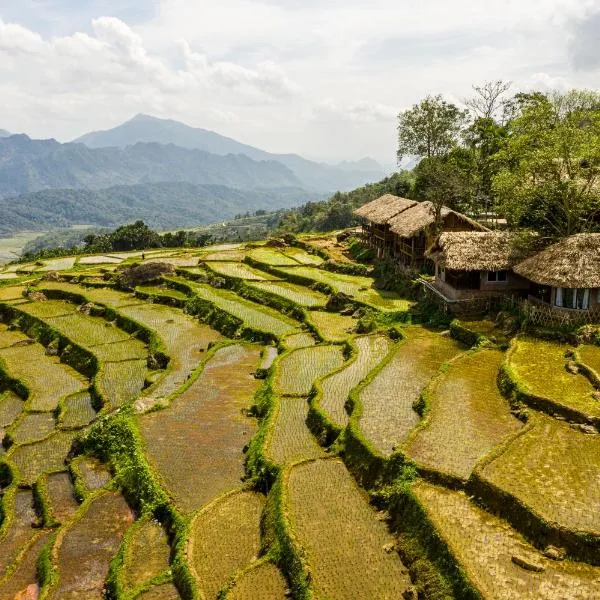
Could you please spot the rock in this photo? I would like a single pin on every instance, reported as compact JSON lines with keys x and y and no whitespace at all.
{"x":389,"y":548}
{"x":349,"y":312}
{"x":86,"y":309}
{"x":528,"y":565}
{"x":410,"y":593}
{"x":52,"y":276}
{"x":445,"y":333}
{"x":153,"y":363}
{"x":337,"y":302}
{"x":555,"y":553}
{"x":584,"y":428}
{"x":596,"y":396}
{"x":572,"y":367}
{"x":343,"y":236}
{"x":26,"y":342}
{"x":276,"y":243}
{"x":36,"y":296}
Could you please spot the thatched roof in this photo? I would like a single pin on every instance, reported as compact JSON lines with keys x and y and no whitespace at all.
{"x":382,"y":209}
{"x":482,"y":250}
{"x":422,"y":215}
{"x":571,"y":263}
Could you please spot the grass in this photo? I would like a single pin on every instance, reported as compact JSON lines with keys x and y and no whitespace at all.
{"x":290,"y":440}
{"x":539,"y":366}
{"x":297,"y":370}
{"x":484,"y":546}
{"x":467,"y":416}
{"x":32,"y":427}
{"x":262,"y":581}
{"x":299,"y":294}
{"x":186,"y":341}
{"x":60,"y":493}
{"x":47,"y":456}
{"x":254,"y":315}
{"x":83,"y":550}
{"x":299,"y":340}
{"x":332,"y":326}
{"x":225,"y":538}
{"x":77,"y":411}
{"x":196,"y":443}
{"x":335,"y":389}
{"x":46,"y":378}
{"x":555,"y":471}
{"x":24,"y":576}
{"x":121,"y":382}
{"x":387,"y":401}
{"x":146,"y":555}
{"x":20,"y":528}
{"x":359,"y":288}
{"x":239,"y":270}
{"x":344,"y":542}
{"x":272,"y":257}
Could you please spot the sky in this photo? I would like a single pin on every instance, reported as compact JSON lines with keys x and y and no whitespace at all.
{"x":322,"y":78}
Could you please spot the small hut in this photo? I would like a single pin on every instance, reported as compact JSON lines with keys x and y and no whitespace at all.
{"x":414,"y":231}
{"x":479,"y":264}
{"x":375,"y":216}
{"x":566,"y":275}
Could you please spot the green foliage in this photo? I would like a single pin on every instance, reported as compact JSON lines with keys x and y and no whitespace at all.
{"x":359,"y":252}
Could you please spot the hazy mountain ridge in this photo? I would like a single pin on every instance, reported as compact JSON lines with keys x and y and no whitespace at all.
{"x":163,"y":205}
{"x":144,"y":128}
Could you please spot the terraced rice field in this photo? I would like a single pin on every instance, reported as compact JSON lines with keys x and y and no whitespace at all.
{"x":540,"y":368}
{"x":335,"y":389}
{"x":60,"y":495}
{"x":263,"y":581}
{"x":224,"y":539}
{"x":359,"y":288}
{"x":58,"y":264}
{"x":223,"y":255}
{"x":387,"y":402}
{"x":93,"y":474}
{"x":297,"y":370}
{"x":299,"y":340}
{"x":467,"y":416}
{"x":302,"y":256}
{"x":486,"y":546}
{"x":19,"y":530}
{"x":103,"y":296}
{"x":254,"y":315}
{"x":273,"y":257}
{"x":353,"y":563}
{"x":554,"y":470}
{"x":590,"y":356}
{"x":333,"y":327}
{"x":240,"y":271}
{"x":196,"y":443}
{"x":296,"y":293}
{"x":100,"y":260}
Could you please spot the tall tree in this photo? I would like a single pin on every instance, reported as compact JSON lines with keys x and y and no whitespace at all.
{"x":488,"y":100}
{"x":430,"y":128}
{"x":550,"y":164}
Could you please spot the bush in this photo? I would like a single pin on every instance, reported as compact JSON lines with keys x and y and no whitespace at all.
{"x":140,"y":274}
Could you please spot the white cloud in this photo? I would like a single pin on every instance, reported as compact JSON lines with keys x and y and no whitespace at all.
{"x":359,"y":112}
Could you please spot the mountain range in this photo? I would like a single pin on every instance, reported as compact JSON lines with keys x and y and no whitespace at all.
{"x":159,"y":170}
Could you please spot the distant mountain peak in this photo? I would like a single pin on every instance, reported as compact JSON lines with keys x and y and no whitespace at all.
{"x":4,"y":133}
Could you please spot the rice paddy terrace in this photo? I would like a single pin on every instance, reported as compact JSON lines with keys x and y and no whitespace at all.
{"x":220,"y":432}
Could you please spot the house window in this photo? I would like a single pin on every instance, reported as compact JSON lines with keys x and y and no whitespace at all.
{"x":497,"y":276}
{"x":576,"y":298}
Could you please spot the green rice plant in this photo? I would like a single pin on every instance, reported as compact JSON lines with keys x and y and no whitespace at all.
{"x":87,"y":331}
{"x":552,"y":469}
{"x":295,"y":293}
{"x":332,"y":326}
{"x":299,"y":340}
{"x":355,"y":562}
{"x":47,"y":456}
{"x":60,"y":496}
{"x":358,"y":287}
{"x":126,"y":350}
{"x":160,"y":294}
{"x":101,"y":260}
{"x":271,"y":256}
{"x":539,"y":371}
{"x":11,"y":406}
{"x":58,"y":264}
{"x":163,"y":591}
{"x":11,"y":292}
{"x":253,"y":315}
{"x":99,"y":295}
{"x":223,"y":255}
{"x":289,"y":439}
{"x":49,"y":308}
{"x":302,"y":256}
{"x":225,"y":538}
{"x":262,"y":580}
{"x":466,"y":416}
{"x":186,"y":341}
{"x":239,"y":270}
{"x":83,"y":550}
{"x":121,"y":382}
{"x":485,"y":548}
{"x":17,"y":528}
{"x":386,"y":414}
{"x":32,"y":427}
{"x":25,"y":570}
{"x":590,"y":356}
{"x":146,"y":553}
{"x":76,"y":411}
{"x":45,"y":377}
{"x":297,"y":370}
{"x":195,"y":444}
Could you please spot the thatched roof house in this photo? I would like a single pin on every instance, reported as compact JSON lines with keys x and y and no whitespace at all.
{"x":571,"y":263}
{"x":381,"y":210}
{"x":421,"y":216}
{"x":481,"y":250}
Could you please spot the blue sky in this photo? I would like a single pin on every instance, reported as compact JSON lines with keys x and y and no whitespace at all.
{"x":324,"y":78}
